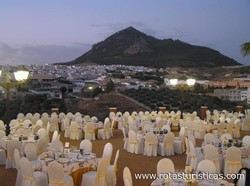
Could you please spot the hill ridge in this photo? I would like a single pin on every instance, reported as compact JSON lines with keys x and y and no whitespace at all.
{"x":133,"y":47}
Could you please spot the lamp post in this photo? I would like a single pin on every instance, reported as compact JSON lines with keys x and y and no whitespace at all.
{"x":189,"y":82}
{"x":90,"y":89}
{"x":21,"y":76}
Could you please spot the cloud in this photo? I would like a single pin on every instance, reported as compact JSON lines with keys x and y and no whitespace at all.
{"x":40,"y":54}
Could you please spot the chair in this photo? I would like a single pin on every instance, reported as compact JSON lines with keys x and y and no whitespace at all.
{"x":10,"y":161}
{"x":150,"y":148}
{"x":2,"y":151}
{"x":66,"y":126}
{"x":54,"y":136}
{"x":191,"y":138}
{"x":164,"y":166}
{"x":41,"y":133}
{"x":179,"y":142}
{"x":75,"y":134}
{"x":188,"y":159}
{"x":36,"y":128}
{"x":54,"y":123}
{"x":246,"y":140}
{"x":56,"y":146}
{"x":134,"y":145}
{"x":209,"y":138}
{"x":107,"y":152}
{"x":206,"y":166}
{"x":105,"y":133}
{"x":42,"y":145}
{"x":57,"y":176}
{"x":232,"y":160}
{"x":246,"y":123}
{"x":192,"y":155}
{"x":31,"y":178}
{"x":39,"y":122}
{"x":30,"y":151}
{"x":125,"y":139}
{"x":96,"y":178}
{"x":17,"y":158}
{"x":199,"y":131}
{"x":229,"y":129}
{"x":89,"y":131}
{"x":236,"y":131}
{"x":211,"y":153}
{"x":220,"y":130}
{"x":86,"y":145}
{"x":45,"y":118}
{"x":111,"y":171}
{"x":127,"y":177}
{"x":167,"y":146}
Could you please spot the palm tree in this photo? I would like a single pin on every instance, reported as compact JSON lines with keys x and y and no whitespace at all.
{"x":245,"y":49}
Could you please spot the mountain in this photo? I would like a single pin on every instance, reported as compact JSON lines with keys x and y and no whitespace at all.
{"x":132,"y":47}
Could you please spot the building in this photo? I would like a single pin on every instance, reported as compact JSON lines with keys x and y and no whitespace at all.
{"x":231,"y":94}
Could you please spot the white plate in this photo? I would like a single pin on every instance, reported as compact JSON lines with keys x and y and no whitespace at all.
{"x":63,"y":160}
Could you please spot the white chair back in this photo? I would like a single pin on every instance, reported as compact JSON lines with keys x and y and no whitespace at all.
{"x":127,"y":177}
{"x":86,"y":145}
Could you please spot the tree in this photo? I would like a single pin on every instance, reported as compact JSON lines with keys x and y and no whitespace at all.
{"x":245,"y":49}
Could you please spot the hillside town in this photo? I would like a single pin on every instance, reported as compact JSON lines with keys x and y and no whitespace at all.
{"x":56,"y":80}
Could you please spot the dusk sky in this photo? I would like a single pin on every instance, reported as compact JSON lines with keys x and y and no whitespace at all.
{"x":49,"y":31}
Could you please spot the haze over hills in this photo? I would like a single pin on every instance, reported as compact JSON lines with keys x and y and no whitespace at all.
{"x":132,"y":47}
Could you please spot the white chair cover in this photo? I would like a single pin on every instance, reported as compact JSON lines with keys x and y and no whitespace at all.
{"x":54,"y":121}
{"x":111,"y":171}
{"x":18,"y":168}
{"x":66,"y":124}
{"x":211,"y":153}
{"x":105,"y":133}
{"x":162,"y":168}
{"x":57,"y":177}
{"x":86,"y":145}
{"x":232,"y":161}
{"x":54,"y":136}
{"x":30,"y":178}
{"x":42,"y":145}
{"x":179,"y":143}
{"x":150,"y":148}
{"x":125,"y":139}
{"x":107,"y":152}
{"x":209,"y":138}
{"x":134,"y":145}
{"x":206,"y":166}
{"x":96,"y":178}
{"x":11,"y":145}
{"x":167,"y":146}
{"x":127,"y":177}
{"x":89,"y":131}
{"x":41,"y":133}
{"x":2,"y":151}
{"x":56,"y":146}
{"x":74,"y":132}
{"x":192,"y":155}
{"x":236,"y":131}
{"x":31,"y":151}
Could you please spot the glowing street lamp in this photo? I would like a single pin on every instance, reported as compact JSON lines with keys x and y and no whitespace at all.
{"x":90,"y":89}
{"x":191,"y":82}
{"x":21,"y":75}
{"x":173,"y":82}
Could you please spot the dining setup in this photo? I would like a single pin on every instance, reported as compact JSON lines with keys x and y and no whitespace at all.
{"x":43,"y":151}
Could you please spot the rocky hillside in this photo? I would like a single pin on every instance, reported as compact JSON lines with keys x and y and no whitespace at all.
{"x":132,"y":47}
